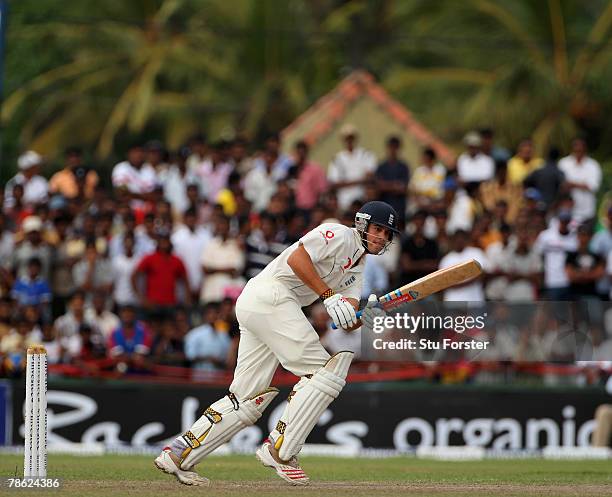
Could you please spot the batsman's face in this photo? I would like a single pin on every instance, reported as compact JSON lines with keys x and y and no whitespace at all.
{"x":378,"y":237}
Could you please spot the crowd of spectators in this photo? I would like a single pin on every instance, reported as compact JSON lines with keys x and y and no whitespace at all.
{"x":141,"y":267}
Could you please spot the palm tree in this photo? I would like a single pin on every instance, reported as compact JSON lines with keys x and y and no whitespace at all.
{"x":527,"y":68}
{"x":131,"y":63}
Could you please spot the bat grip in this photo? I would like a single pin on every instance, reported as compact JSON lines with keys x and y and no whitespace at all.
{"x":359,"y":313}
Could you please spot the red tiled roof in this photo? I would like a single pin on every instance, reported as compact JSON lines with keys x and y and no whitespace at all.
{"x":332,"y":107}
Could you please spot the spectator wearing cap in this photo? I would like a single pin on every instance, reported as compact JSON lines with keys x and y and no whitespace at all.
{"x":584,"y":267}
{"x":33,"y":289}
{"x":162,"y":271}
{"x":523,"y":163}
{"x":223,"y":262}
{"x":427,"y":182}
{"x":75,"y":180}
{"x":548,"y":179}
{"x":351,"y":168}
{"x":309,"y":180}
{"x":35,"y":187}
{"x":553,"y":244}
{"x":392,"y":178}
{"x":189,"y":241}
{"x":583,"y":177}
{"x":533,"y":200}
{"x":134,"y":176}
{"x":214,"y":173}
{"x":32,"y":246}
{"x":175,"y":180}
{"x":472,"y":165}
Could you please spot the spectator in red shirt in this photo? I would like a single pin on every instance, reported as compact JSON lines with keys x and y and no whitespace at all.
{"x":162,"y":270}
{"x":308,"y":179}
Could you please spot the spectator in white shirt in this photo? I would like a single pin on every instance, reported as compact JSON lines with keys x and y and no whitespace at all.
{"x":175,"y":181}
{"x":282,"y":162}
{"x":351,"y":168}
{"x":157,"y":157}
{"x":583,"y":177}
{"x":223,"y":261}
{"x":199,"y":152}
{"x":554,"y":244}
{"x":189,"y":241}
{"x":260,"y":183}
{"x":123,"y":264}
{"x":35,"y":187}
{"x":473,"y":166}
{"x":213,"y":173}
{"x":459,"y":207}
{"x":100,"y":316}
{"x":133,"y":175}
{"x":463,"y":250}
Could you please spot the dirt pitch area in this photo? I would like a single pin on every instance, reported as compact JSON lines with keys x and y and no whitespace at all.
{"x":242,"y":476}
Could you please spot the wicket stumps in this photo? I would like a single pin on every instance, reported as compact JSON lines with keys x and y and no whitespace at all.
{"x":35,"y":454}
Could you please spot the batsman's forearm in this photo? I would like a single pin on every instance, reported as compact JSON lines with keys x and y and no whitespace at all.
{"x":301,"y":264}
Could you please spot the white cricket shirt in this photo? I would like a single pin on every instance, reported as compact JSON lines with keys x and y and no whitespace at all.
{"x":334,"y":250}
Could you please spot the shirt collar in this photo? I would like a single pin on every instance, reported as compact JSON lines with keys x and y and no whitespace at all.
{"x":358,"y":241}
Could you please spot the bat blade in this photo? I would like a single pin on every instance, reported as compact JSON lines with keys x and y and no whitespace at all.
{"x":432,"y":283}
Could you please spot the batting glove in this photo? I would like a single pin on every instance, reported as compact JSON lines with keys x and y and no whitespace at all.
{"x":341,"y":311}
{"x":372,"y":310}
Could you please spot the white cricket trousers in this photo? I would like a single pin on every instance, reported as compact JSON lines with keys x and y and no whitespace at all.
{"x":273,"y":330}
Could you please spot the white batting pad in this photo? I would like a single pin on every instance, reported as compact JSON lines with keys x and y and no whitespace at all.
{"x":220,"y":422}
{"x":306,"y":404}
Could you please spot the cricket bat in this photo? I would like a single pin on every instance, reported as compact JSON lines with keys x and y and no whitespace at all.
{"x":430,"y":284}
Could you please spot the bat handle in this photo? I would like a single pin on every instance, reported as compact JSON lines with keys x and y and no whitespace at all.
{"x":359,"y":313}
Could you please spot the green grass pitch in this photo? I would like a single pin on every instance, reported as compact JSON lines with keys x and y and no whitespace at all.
{"x":242,"y":476}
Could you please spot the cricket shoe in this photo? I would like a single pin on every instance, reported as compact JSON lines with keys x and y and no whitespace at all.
{"x":167,"y":464}
{"x":290,"y":472}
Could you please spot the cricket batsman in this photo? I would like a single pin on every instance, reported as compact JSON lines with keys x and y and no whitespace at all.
{"x":327,"y":264}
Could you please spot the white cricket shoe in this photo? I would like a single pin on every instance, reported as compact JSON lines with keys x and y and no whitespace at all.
{"x":166,"y":463}
{"x":291,"y":472}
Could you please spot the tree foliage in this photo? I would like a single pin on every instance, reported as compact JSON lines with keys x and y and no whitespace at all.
{"x":95,"y":73}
